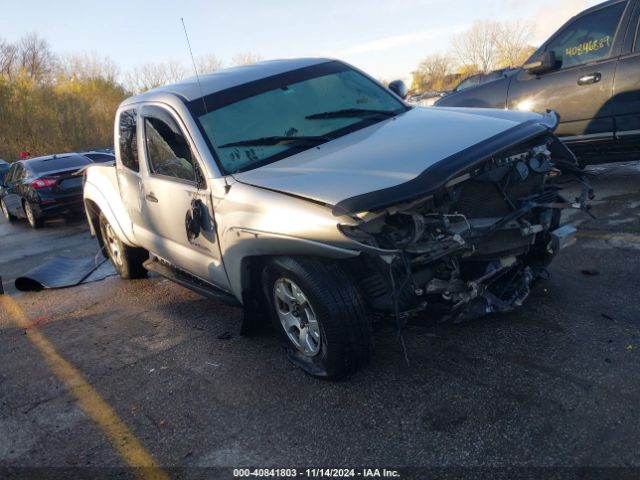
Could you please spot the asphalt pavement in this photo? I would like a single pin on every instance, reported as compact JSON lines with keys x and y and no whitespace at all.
{"x":555,"y":383}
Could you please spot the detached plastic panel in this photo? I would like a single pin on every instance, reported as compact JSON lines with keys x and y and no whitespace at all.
{"x":60,"y":272}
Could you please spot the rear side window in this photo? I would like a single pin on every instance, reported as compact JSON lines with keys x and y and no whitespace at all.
{"x":589,"y":38}
{"x":168,"y":151}
{"x":128,"y":142}
{"x":11,"y":173}
{"x":20,"y":173}
{"x":59,"y":163}
{"x":468,"y":83}
{"x":100,"y":157}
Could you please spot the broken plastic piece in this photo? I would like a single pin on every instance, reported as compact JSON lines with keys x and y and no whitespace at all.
{"x":60,"y":272}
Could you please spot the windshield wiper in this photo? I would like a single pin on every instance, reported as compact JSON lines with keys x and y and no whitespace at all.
{"x":353,"y":112}
{"x":277,"y":140}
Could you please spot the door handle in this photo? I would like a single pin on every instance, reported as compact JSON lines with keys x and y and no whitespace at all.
{"x":590,"y":78}
{"x":151,"y":197}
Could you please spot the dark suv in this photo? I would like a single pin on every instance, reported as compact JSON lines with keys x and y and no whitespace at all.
{"x":588,"y":72}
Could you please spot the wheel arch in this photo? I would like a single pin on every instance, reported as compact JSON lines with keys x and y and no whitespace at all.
{"x":245,"y":265}
{"x":95,"y":203}
{"x":242,"y":249}
{"x":92,"y":210}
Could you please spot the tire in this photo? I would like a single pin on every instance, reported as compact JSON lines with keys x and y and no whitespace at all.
{"x":125,"y":259}
{"x":33,"y":220}
{"x":5,"y":211}
{"x":339,"y":342}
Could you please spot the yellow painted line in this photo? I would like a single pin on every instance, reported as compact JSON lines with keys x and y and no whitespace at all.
{"x":116,"y":431}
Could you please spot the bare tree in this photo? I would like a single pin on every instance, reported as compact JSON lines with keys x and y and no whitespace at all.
{"x":479,"y":46}
{"x":489,"y":45}
{"x":208,"y":64}
{"x":8,"y":59}
{"x":86,"y":66}
{"x":175,"y":71}
{"x":246,"y":58}
{"x":152,"y":75}
{"x":513,"y":46}
{"x":34,"y":58}
{"x":432,"y":73}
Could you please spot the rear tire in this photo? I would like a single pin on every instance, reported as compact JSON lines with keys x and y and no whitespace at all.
{"x":5,"y":212}
{"x":319,"y":315}
{"x":32,"y":218}
{"x":125,"y":259}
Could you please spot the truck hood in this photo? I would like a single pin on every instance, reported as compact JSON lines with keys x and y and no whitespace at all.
{"x":394,"y":153}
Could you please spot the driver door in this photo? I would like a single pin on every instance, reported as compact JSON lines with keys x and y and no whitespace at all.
{"x":580,"y":87}
{"x":172,"y":186}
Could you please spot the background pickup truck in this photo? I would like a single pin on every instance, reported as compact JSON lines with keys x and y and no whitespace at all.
{"x":589,"y":73}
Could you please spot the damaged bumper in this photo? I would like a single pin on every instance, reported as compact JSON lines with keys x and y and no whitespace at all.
{"x":504,"y":288}
{"x":473,"y":241}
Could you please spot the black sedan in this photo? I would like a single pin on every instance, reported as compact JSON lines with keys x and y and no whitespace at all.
{"x":43,"y":187}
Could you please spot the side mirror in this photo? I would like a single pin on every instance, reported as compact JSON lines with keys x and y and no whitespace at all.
{"x":545,"y":63}
{"x":399,"y":88}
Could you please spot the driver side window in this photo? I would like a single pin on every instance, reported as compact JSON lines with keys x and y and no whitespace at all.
{"x":587,"y":39}
{"x":168,"y":151}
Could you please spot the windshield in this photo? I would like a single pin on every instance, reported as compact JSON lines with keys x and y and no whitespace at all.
{"x":293,"y":116}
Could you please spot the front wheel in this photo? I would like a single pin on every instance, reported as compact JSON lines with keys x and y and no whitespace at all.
{"x":319,"y":316}
{"x":125,"y":259}
{"x":5,"y":212}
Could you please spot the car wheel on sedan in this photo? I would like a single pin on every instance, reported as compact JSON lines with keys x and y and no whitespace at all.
{"x":5,"y":212}
{"x":32,"y":218}
{"x":319,"y":316}
{"x":125,"y":259}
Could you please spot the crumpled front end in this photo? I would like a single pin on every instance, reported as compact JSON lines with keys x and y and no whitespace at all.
{"x":474,"y":245}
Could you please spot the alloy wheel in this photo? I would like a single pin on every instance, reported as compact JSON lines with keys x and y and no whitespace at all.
{"x":297,"y":317}
{"x":113,"y":244}
{"x":30,"y":215}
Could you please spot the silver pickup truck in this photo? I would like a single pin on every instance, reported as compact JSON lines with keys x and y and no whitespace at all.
{"x":310,"y":194}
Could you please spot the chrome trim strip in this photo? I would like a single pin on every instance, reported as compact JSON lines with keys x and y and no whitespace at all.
{"x":589,"y":136}
{"x":627,"y":133}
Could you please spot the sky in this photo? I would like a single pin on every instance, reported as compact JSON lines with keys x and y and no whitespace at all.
{"x":386,"y":38}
